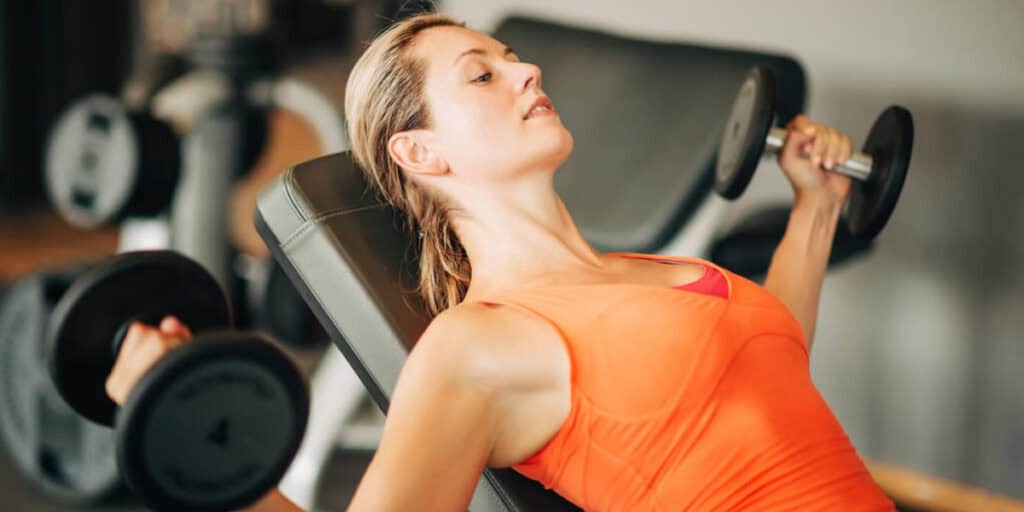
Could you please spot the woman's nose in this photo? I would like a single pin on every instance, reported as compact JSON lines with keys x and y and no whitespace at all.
{"x":531,"y":77}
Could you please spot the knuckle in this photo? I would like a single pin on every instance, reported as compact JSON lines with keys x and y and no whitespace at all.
{"x":135,"y":336}
{"x":135,"y":330}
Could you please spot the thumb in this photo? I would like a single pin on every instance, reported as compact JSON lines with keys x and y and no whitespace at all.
{"x":798,"y":140}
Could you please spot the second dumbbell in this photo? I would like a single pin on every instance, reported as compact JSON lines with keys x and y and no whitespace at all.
{"x":879,"y":169}
{"x":214,"y":424}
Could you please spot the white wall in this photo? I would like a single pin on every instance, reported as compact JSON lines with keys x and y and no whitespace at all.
{"x":952,"y":52}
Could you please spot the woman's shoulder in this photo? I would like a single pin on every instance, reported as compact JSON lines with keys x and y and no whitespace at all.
{"x":483,"y":321}
{"x":488,"y":342}
{"x":512,"y":359}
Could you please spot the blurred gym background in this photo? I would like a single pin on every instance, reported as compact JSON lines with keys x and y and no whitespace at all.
{"x":918,"y":346}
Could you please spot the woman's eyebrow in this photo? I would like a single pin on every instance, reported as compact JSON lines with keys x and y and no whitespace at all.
{"x":480,"y":51}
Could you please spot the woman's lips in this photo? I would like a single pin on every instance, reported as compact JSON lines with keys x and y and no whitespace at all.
{"x":541,"y":101}
{"x":544,"y":110}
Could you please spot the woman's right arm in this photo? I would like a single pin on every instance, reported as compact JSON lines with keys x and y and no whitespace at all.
{"x":798,"y":266}
{"x":441,"y":425}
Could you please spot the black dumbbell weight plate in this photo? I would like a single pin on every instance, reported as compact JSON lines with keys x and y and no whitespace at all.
{"x":143,"y":286}
{"x":745,"y":132}
{"x":67,"y":457}
{"x":889,"y":143}
{"x":214,"y":425}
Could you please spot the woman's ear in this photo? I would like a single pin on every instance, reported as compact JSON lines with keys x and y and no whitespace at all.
{"x":413,"y":152}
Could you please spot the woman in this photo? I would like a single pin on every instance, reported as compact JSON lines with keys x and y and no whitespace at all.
{"x":620,"y":381}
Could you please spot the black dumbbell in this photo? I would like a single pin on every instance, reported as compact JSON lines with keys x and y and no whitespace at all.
{"x":879,"y":170}
{"x":105,"y":162}
{"x":214,"y":424}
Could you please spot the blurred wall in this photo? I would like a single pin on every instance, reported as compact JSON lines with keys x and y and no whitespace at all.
{"x":52,"y":51}
{"x":919,"y":345}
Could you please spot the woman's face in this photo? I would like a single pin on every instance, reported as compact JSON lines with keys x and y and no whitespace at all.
{"x":480,"y":96}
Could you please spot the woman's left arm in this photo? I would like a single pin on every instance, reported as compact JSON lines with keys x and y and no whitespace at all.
{"x":798,"y":266}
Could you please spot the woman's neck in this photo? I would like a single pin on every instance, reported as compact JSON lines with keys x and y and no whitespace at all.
{"x":519,"y":237}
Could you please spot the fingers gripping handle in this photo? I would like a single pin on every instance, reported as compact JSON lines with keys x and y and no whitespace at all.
{"x":857,"y":167}
{"x":122,"y":332}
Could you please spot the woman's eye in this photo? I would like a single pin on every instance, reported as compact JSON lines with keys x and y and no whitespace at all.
{"x":483,"y":78}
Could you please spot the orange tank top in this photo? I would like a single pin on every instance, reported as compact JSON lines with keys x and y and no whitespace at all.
{"x":690,"y":401}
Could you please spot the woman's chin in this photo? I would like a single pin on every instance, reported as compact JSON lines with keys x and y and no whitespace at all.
{"x":553,"y":151}
{"x":564,"y":147}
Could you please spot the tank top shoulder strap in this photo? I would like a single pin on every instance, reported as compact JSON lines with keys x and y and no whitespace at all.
{"x":729,"y":276}
{"x":525,"y":301}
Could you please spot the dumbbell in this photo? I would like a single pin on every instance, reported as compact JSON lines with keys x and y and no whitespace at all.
{"x":105,"y":162}
{"x":214,"y":424}
{"x":878,"y":171}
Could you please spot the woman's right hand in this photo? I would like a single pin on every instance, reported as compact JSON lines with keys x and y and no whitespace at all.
{"x":809,"y":152}
{"x":143,"y":346}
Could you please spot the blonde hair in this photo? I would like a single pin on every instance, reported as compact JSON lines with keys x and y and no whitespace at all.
{"x":384,"y":96}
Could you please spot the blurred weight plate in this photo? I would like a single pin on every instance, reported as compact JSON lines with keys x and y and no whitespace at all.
{"x":67,"y":457}
{"x":91,"y":161}
{"x":743,"y":140}
{"x":213,"y":425}
{"x":104,"y":162}
{"x":889,"y":143}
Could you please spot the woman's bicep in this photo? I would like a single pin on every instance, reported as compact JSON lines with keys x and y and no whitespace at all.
{"x":437,"y":439}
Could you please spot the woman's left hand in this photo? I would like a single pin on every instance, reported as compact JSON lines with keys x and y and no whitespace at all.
{"x":810,"y":149}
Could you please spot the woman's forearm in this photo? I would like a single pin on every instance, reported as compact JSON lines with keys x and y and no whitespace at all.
{"x":798,"y":266}
{"x":273,"y":501}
